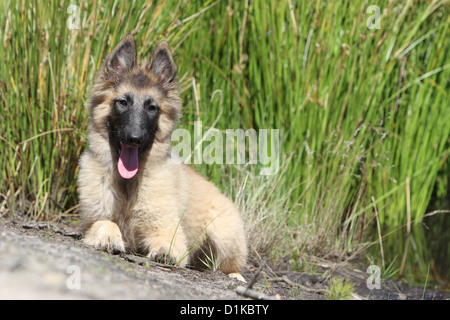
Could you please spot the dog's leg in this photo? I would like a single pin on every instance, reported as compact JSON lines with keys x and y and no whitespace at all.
{"x":226,"y":235}
{"x":168,"y":245}
{"x":97,"y":203}
{"x":216,"y":253}
{"x":105,"y":235}
{"x":231,"y":254}
{"x":162,"y":238}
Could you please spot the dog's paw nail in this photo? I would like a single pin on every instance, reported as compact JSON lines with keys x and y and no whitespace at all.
{"x":237,"y":276}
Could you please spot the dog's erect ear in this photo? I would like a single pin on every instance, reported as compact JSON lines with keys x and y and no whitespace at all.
{"x":161,"y":64}
{"x":122,"y":58}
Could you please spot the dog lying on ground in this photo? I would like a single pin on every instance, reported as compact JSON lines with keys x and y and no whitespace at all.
{"x":133,"y":196}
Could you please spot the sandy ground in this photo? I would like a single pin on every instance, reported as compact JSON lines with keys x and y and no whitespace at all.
{"x":42,"y":261}
{"x":47,"y":266}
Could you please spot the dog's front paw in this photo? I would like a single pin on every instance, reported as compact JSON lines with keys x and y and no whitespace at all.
{"x":105,"y":235}
{"x":161,"y":255}
{"x":168,"y":256}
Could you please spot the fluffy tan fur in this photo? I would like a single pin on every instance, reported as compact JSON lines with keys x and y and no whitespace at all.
{"x":167,"y":210}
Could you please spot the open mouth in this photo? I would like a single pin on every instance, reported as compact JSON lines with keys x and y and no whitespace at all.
{"x":129,"y":152}
{"x":128,"y":163}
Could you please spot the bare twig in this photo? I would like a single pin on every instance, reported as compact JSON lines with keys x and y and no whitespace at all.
{"x":249,"y":293}
{"x":245,"y":292}
{"x":298,"y":285}
{"x":255,"y":276}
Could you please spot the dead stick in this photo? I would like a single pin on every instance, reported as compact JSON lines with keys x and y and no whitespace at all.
{"x":255,"y":276}
{"x":249,"y":293}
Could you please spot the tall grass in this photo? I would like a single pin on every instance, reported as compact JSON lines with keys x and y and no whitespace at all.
{"x":363,"y":113}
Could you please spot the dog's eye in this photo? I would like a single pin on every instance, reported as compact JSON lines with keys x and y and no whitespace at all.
{"x":123,"y":102}
{"x":151,"y":107}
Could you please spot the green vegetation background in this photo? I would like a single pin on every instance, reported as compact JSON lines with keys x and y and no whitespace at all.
{"x":363,"y":114}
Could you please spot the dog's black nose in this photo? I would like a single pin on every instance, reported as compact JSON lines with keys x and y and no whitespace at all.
{"x":135,"y":139}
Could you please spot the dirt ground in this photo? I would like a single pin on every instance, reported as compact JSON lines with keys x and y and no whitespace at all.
{"x":39,"y":260}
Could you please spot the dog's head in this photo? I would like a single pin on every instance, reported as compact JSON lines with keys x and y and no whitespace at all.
{"x":135,"y":106}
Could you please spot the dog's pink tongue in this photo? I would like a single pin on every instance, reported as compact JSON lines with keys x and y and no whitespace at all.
{"x":128,"y":162}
